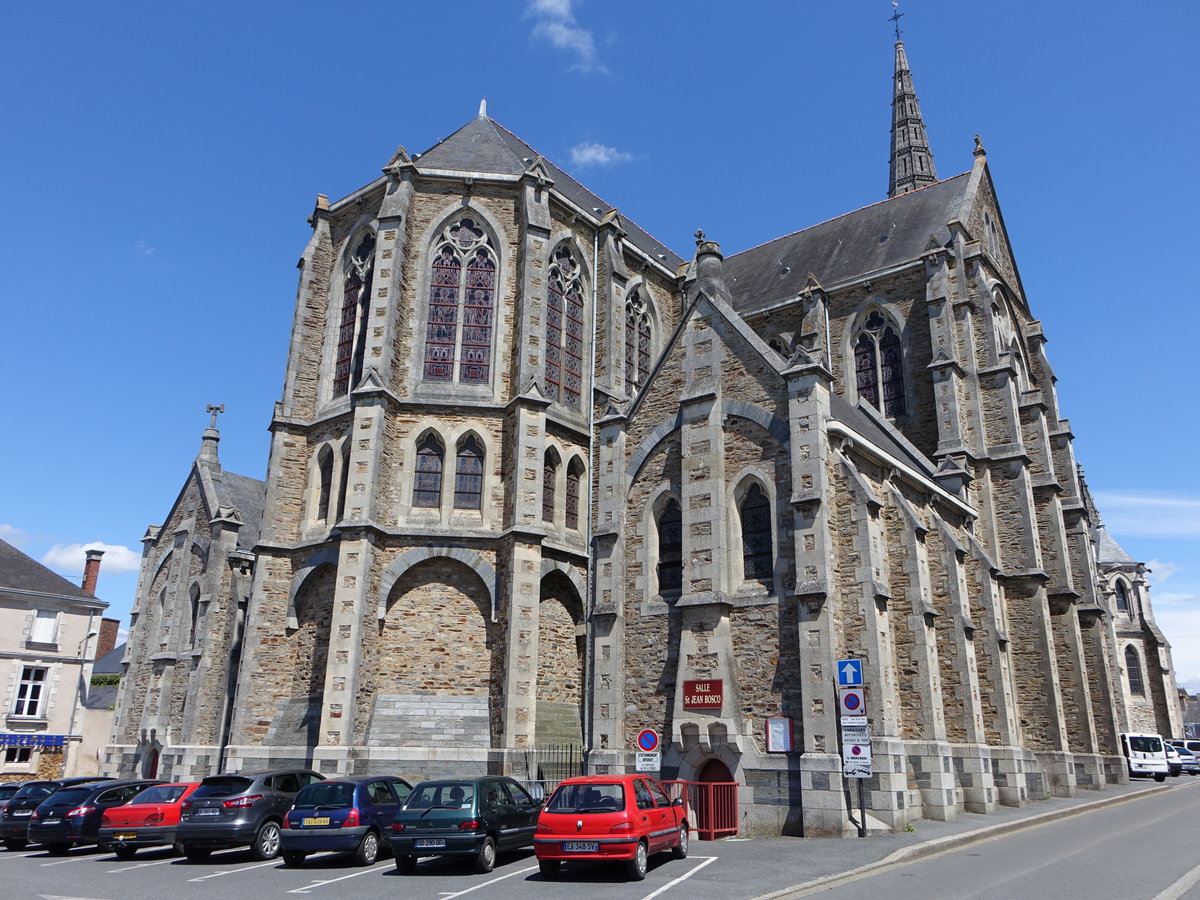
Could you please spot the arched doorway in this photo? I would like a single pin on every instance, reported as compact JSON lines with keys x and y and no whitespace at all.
{"x":715,"y":771}
{"x":714,"y":801}
{"x":150,"y":770}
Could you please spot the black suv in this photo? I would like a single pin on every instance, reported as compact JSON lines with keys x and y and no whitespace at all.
{"x":71,"y":815}
{"x":17,"y":813}
{"x":239,"y":810}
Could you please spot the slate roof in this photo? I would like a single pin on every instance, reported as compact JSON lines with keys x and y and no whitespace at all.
{"x":248,"y":496}
{"x":484,"y":145}
{"x":110,"y":662}
{"x":882,"y":436}
{"x":876,"y":237}
{"x":1108,"y":550}
{"x":101,"y":696}
{"x":23,"y":573}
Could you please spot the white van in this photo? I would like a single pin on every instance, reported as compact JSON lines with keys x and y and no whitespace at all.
{"x":1146,"y":755}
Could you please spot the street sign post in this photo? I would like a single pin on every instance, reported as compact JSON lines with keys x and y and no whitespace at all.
{"x":856,"y":738}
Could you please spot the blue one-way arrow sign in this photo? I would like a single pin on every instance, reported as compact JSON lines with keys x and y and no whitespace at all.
{"x":849,"y":672}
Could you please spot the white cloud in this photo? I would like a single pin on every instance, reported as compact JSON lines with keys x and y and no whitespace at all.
{"x":70,"y":557}
{"x":1178,"y":615}
{"x":143,"y":247}
{"x":1161,"y":570}
{"x":591,"y":154}
{"x":13,"y":535}
{"x":555,"y":22}
{"x":1149,"y":515}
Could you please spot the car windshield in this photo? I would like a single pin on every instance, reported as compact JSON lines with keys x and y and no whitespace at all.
{"x":223,"y":786}
{"x":72,"y":795}
{"x":441,"y":794}
{"x":326,"y":795}
{"x":160,"y":793}
{"x":1145,"y":745}
{"x":34,"y":790}
{"x":584,"y":798}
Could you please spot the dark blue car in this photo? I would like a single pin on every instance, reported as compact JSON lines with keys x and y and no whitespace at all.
{"x":342,"y":814}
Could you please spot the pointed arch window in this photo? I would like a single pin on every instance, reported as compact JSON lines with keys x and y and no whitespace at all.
{"x":878,"y":366}
{"x":637,"y":342}
{"x":670,"y":549}
{"x":757,"y":559}
{"x":564,"y":329}
{"x":1133,"y":671}
{"x":549,"y":485}
{"x":574,"y":477}
{"x":468,"y":474}
{"x":1122,"y":596}
{"x":356,"y":300}
{"x":325,"y":476}
{"x":462,"y":301}
{"x":343,"y":483}
{"x":194,"y":600}
{"x":427,"y":486}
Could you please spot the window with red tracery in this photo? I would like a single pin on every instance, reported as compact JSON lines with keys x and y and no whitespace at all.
{"x":468,"y":475}
{"x":637,"y":342}
{"x":356,"y":300}
{"x":574,"y":477}
{"x":564,"y":330}
{"x":879,"y":366}
{"x":462,"y":305}
{"x":427,"y":485}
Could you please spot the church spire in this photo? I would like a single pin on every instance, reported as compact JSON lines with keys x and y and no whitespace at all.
{"x":912,"y":162}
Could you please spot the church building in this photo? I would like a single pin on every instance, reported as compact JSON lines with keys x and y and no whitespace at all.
{"x":536,"y":481}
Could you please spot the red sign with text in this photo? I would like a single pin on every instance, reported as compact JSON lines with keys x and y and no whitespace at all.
{"x":708,"y":694}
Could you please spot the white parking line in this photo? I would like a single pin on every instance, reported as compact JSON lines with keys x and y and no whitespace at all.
{"x":488,"y":883}
{"x":269,"y":862}
{"x":671,"y":884}
{"x":317,"y":884}
{"x":19,"y":855}
{"x":63,"y":862}
{"x":157,"y":862}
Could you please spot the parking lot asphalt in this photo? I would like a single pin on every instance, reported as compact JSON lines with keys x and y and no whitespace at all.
{"x":732,"y":869}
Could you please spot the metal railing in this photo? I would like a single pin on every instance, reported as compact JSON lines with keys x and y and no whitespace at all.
{"x":549,"y":764}
{"x":712,"y":806}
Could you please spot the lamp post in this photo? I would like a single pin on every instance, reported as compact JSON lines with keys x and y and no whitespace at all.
{"x":80,"y":658}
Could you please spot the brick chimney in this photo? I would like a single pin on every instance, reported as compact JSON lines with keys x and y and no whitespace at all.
{"x":91,"y":571}
{"x":108,"y":636}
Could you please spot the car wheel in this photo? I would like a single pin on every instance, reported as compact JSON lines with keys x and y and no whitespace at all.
{"x":15,"y":843}
{"x":177,"y":848}
{"x":679,"y":851}
{"x":58,"y":848}
{"x":125,"y":852}
{"x":368,"y":849}
{"x":405,"y":864}
{"x":266,"y":842}
{"x":1159,"y":776}
{"x":197,"y":854}
{"x":293,"y":858}
{"x":485,"y":859}
{"x":640,"y":863}
{"x":549,"y":868}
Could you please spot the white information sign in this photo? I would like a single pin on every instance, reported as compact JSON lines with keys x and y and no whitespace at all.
{"x":649,"y":762}
{"x":856,"y":760}
{"x":855,"y":732}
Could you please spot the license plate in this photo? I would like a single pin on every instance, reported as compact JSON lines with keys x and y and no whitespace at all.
{"x":125,"y":835}
{"x":208,"y":811}
{"x":316,"y":820}
{"x":22,"y":812}
{"x":51,"y":821}
{"x":581,"y":846}
{"x":430,"y":843}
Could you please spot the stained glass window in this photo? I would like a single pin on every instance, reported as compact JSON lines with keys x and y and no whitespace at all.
{"x":564,"y":329}
{"x":1133,"y":671}
{"x":757,"y":559}
{"x":1122,"y":598}
{"x":637,"y":342}
{"x":574,"y":476}
{"x":462,"y":300}
{"x":549,"y":483}
{"x":356,"y":300}
{"x":427,"y":486}
{"x":879,"y":366}
{"x":670,"y":549}
{"x":325,"y":473}
{"x":468,"y":475}
{"x":343,"y":483}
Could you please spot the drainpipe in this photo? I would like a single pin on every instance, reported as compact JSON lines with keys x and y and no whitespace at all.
{"x":588,"y":634}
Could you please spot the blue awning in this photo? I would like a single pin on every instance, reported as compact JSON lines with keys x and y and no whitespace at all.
{"x":32,"y":740}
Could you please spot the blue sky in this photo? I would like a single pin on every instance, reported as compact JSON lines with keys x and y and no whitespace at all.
{"x":161,"y":161}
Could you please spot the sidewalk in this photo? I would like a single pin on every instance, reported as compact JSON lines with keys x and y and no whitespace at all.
{"x":825,"y":862}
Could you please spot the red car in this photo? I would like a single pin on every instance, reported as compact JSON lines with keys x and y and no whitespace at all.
{"x":609,"y":818}
{"x":149,"y":819}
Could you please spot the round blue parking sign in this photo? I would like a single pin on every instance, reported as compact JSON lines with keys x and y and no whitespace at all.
{"x":647,"y":740}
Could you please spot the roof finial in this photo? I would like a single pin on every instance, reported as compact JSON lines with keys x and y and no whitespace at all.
{"x":699,"y":236}
{"x":979,"y":151}
{"x":216,"y":411}
{"x":210,"y":438}
{"x":895,"y":17}
{"x":483,"y":108}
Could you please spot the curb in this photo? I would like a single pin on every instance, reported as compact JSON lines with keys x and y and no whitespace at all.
{"x":954,"y":842}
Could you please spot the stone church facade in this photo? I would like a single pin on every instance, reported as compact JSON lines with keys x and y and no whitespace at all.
{"x":532,"y":471}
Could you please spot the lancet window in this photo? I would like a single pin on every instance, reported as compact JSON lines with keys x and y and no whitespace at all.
{"x":549,"y":485}
{"x":1133,"y":671}
{"x":757,"y":558}
{"x":356,"y":301}
{"x":1122,"y":597}
{"x":564,"y":329}
{"x":637,"y":341}
{"x":670,"y":549}
{"x":878,"y":366}
{"x":325,"y":474}
{"x":462,"y":302}
{"x":574,"y":477}
{"x":427,"y":486}
{"x":468,"y":474}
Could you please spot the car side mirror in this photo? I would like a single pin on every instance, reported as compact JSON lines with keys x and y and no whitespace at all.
{"x":678,"y":801}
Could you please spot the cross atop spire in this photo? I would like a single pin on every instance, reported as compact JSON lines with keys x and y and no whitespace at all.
{"x":895,"y":17}
{"x":912,"y":160}
{"x":215,"y":410}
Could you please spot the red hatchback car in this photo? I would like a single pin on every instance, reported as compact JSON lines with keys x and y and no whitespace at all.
{"x":609,"y":818}
{"x":150,"y":819}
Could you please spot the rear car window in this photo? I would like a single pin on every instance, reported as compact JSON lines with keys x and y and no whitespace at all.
{"x":224,"y":786}
{"x":34,"y":791}
{"x":586,"y":798}
{"x":160,"y":793}
{"x":327,"y":794}
{"x":72,"y":795}
{"x":1145,"y":745}
{"x":7,"y":790}
{"x":446,"y":794}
